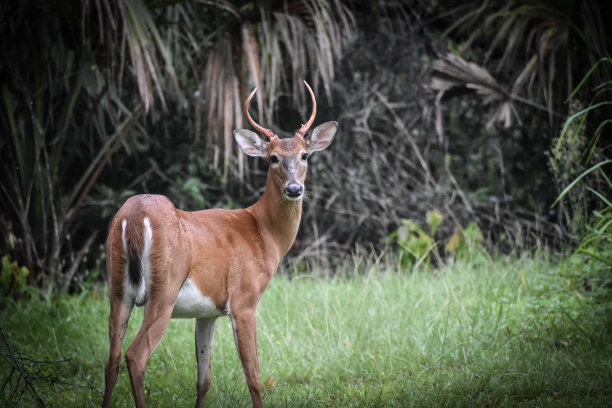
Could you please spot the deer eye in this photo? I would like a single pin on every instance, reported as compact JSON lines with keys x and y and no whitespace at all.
{"x":273,"y":159}
{"x":304,"y":156}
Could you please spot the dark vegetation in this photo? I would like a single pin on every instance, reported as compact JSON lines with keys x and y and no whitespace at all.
{"x":446,"y":109}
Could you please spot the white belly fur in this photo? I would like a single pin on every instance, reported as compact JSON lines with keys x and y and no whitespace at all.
{"x":191,"y":303}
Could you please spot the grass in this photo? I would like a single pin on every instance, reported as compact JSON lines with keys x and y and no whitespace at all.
{"x":516,"y":333}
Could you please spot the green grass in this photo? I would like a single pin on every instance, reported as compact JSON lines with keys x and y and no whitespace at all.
{"x":493,"y":333}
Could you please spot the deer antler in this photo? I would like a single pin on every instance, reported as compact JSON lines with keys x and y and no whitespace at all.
{"x":304,"y":128}
{"x":259,"y":128}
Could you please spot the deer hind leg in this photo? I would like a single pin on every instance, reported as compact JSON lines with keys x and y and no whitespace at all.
{"x":159,"y":296}
{"x":120,"y":307}
{"x":117,"y":325}
{"x":204,"y":335}
{"x":154,"y":325}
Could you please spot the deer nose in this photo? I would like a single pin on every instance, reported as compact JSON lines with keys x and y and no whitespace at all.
{"x":294,"y":190}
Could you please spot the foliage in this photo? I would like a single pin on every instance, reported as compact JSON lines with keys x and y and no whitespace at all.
{"x":547,"y":40}
{"x":272,"y":46}
{"x":506,"y":332}
{"x":13,"y":278}
{"x":511,"y":66}
{"x":573,"y":152}
{"x":592,"y":260}
{"x":64,"y":117}
{"x":494,"y":176}
{"x":416,"y":247}
{"x":467,"y":244}
{"x":590,"y":264}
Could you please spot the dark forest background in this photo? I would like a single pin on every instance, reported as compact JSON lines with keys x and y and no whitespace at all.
{"x":459,"y":122}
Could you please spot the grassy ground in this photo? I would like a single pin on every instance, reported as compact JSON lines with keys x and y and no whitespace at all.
{"x":490,"y":333}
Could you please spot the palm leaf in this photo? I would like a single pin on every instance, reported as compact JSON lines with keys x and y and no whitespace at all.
{"x":451,"y":71}
{"x":300,"y":39}
{"x":540,"y":35}
{"x":144,"y":42}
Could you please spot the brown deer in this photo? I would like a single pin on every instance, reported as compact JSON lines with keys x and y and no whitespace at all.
{"x":206,"y":264}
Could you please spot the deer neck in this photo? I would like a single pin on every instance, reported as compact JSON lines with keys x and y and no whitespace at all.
{"x":277,"y":217}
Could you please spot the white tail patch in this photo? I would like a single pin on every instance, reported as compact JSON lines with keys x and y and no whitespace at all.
{"x":137,"y":293}
{"x":145,"y":261}
{"x":123,"y":225}
{"x":127,"y":295}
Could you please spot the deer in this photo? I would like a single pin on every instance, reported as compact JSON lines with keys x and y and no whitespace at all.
{"x":206,"y":264}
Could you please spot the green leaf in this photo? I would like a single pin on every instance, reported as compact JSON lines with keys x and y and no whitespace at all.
{"x":434,"y":219}
{"x":594,"y":255}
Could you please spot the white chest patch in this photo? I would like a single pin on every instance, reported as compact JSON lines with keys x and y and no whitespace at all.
{"x":191,"y":303}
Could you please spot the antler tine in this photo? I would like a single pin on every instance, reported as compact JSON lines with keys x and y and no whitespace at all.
{"x":304,"y":128}
{"x":259,"y":128}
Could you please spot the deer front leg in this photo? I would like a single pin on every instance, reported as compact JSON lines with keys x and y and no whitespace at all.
{"x":245,"y":335}
{"x":204,"y":335}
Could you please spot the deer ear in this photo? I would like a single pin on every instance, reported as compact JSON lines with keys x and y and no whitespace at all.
{"x":250,"y":143}
{"x":322,"y":136}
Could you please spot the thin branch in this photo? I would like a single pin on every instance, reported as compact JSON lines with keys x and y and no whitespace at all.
{"x":17,"y":364}
{"x":121,"y":134}
{"x":30,"y":370}
{"x":67,"y":279}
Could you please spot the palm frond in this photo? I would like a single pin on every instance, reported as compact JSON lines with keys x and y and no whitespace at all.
{"x":301,"y":39}
{"x":544,"y":37}
{"x":150,"y":59}
{"x":452,"y":72}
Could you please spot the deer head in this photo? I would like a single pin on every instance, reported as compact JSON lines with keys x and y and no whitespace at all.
{"x":288,"y":157}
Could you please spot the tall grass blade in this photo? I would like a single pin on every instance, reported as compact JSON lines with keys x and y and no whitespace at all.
{"x":577,"y":179}
{"x":595,"y":139}
{"x":586,"y":76}
{"x":595,"y":255}
{"x":574,"y":116}
{"x":604,"y":199}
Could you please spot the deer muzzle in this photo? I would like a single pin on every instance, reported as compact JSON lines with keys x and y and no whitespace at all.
{"x":294,"y":190}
